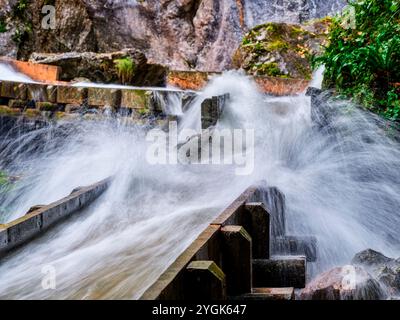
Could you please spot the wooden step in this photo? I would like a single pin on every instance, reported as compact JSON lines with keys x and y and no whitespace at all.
{"x":280,"y":272}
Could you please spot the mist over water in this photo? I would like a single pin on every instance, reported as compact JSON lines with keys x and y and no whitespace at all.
{"x":341,"y":185}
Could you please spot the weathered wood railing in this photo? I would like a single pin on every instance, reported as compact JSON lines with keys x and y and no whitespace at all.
{"x":39,"y":220}
{"x":232,"y":257}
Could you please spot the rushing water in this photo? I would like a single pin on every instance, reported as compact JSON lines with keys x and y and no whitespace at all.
{"x":7,"y":73}
{"x":341,"y":185}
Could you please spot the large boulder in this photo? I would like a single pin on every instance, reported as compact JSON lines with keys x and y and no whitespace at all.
{"x":344,"y":283}
{"x":385,"y":269}
{"x":281,"y":50}
{"x":370,"y":258}
{"x":100,"y":67}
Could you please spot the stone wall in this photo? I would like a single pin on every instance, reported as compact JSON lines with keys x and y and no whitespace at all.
{"x":37,"y":72}
{"x":65,"y":101}
{"x":195,"y":80}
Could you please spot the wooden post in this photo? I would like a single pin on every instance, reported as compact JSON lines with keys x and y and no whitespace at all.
{"x":280,"y":272}
{"x":237,"y":259}
{"x":258,"y":223}
{"x":204,"y":281}
{"x":295,"y":246}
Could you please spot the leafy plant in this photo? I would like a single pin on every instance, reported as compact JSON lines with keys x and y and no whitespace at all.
{"x":363,"y":61}
{"x":20,"y":7}
{"x":21,"y":35}
{"x":126,"y":69}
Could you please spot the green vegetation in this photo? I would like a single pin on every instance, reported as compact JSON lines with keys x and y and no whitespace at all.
{"x":19,"y":36}
{"x":3,"y":25}
{"x":20,"y":13}
{"x":362,"y":59}
{"x":281,"y":50}
{"x":20,"y":7}
{"x":143,"y":111}
{"x":126,"y":68}
{"x":270,"y":69}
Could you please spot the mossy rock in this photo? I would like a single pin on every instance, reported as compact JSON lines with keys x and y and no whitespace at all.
{"x":6,"y":111}
{"x":32,"y":113}
{"x":281,"y":50}
{"x":46,"y":106}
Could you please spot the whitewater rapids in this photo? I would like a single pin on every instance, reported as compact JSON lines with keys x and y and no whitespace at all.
{"x":341,"y":185}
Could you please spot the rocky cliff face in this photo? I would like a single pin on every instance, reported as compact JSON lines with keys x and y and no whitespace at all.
{"x":182,"y":34}
{"x":289,"y":11}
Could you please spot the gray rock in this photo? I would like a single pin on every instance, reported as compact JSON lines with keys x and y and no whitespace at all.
{"x":334,"y":285}
{"x":385,"y":269}
{"x":100,"y":67}
{"x":370,"y":258}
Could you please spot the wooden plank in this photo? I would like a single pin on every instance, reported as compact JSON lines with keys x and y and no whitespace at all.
{"x":24,"y":229}
{"x":170,"y":285}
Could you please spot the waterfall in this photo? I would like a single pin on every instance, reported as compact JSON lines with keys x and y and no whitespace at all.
{"x":341,"y":186}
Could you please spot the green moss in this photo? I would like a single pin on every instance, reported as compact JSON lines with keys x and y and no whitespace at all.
{"x":143,"y":111}
{"x":279,"y":42}
{"x":305,"y":71}
{"x":32,"y":113}
{"x":269,"y":27}
{"x":269,"y":69}
{"x":6,"y":111}
{"x":297,"y":31}
{"x":59,"y":115}
{"x":277,"y":45}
